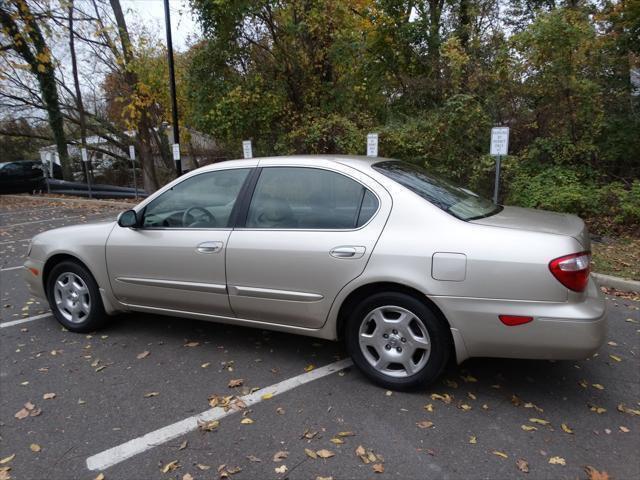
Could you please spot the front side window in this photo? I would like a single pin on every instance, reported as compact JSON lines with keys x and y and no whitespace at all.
{"x":457,"y":201}
{"x":309,"y":198}
{"x":201,"y":201}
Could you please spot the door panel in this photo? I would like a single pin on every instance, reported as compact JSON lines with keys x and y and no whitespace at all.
{"x":175,"y":260}
{"x":287,"y":272}
{"x":164,"y":269}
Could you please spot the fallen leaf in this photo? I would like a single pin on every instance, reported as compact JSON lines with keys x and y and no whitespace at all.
{"x":191,"y":344}
{"x":566,"y":428}
{"x":378,"y":467}
{"x":557,"y":461}
{"x":346,"y":434}
{"x":253,"y":458}
{"x":323,"y":478}
{"x":183,"y":445}
{"x":360,"y":451}
{"x":539,"y":421}
{"x":170,"y":467}
{"x":593,"y":474}
{"x":100,"y":368}
{"x":325,"y":453}
{"x":187,"y":476}
{"x":100,"y":476}
{"x":595,"y":408}
{"x":142,"y":355}
{"x":624,"y":409}
{"x":267,"y":396}
{"x":281,"y":469}
{"x":202,"y":467}
{"x":151,"y":394}
{"x":281,"y":455}
{"x":522,"y":465}
{"x":205,"y":365}
{"x":424,"y":424}
{"x":235,"y":382}
{"x":280,"y":411}
{"x":597,"y":386}
{"x":528,"y":428}
{"x":464,"y":407}
{"x":22,"y":413}
{"x":469,"y":378}
{"x":310,"y":453}
{"x":500,"y":454}
{"x":246,"y":421}
{"x":615,"y":357}
{"x":34,"y":447}
{"x":337,"y":441}
{"x":49,"y":396}
{"x":309,"y":367}
{"x":471,"y":396}
{"x":208,"y":426}
{"x":7,"y":459}
{"x":446,"y":398}
{"x":428,"y":407}
{"x":624,"y":429}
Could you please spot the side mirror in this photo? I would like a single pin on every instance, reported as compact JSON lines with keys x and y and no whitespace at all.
{"x":128,"y":219}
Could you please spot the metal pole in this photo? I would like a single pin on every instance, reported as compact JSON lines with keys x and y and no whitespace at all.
{"x":172,"y":85}
{"x":497,"y":183}
{"x":135,"y":182}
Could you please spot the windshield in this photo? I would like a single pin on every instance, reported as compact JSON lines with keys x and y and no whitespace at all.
{"x":458,"y":201}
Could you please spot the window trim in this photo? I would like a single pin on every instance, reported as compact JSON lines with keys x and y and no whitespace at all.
{"x":231,"y":221}
{"x":244,"y":212}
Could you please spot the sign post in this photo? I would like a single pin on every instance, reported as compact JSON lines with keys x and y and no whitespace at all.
{"x":499,"y":148}
{"x":132,"y":156}
{"x":247,"y":151}
{"x":85,"y":161}
{"x":372,"y":145}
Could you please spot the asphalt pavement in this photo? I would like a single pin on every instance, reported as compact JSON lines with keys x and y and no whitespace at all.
{"x":67,"y":398}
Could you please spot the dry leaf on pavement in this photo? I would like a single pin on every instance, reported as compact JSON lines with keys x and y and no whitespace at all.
{"x":522,"y":465}
{"x":528,"y":428}
{"x":48,"y":396}
{"x":624,"y":409}
{"x":208,"y":426}
{"x":539,"y":421}
{"x":281,"y":455}
{"x":100,"y":476}
{"x":281,"y":469}
{"x":324,"y":453}
{"x":170,"y":467}
{"x":378,"y":467}
{"x":192,"y":344}
{"x":500,"y":454}
{"x":424,"y":424}
{"x":7,"y":459}
{"x":593,"y":474}
{"x":473,"y":439}
{"x":246,"y":421}
{"x":235,"y":382}
{"x":566,"y":428}
{"x":142,"y":355}
{"x":151,"y":394}
{"x":35,"y":447}
{"x":310,"y":453}
{"x":557,"y":461}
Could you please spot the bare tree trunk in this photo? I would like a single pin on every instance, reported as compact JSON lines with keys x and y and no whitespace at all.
{"x":76,"y":83}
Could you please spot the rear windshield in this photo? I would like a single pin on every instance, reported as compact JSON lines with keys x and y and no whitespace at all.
{"x":458,"y":201}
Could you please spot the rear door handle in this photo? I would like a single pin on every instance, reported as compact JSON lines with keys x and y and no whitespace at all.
{"x":209,"y":247}
{"x":347,"y":251}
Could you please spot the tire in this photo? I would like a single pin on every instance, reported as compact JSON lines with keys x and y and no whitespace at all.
{"x":397,"y":341}
{"x":74,"y":297}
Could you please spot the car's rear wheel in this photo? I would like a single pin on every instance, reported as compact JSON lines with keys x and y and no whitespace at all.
{"x":74,"y":297}
{"x":397,"y":341}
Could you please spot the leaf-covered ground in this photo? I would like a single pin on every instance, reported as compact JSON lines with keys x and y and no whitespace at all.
{"x":619,"y":257}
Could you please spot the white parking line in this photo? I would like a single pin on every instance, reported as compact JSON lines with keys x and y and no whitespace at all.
{"x":138,"y":445}
{"x":11,"y":268}
{"x":24,"y":320}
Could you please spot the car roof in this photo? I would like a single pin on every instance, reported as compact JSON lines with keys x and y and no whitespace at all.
{"x":360,"y":162}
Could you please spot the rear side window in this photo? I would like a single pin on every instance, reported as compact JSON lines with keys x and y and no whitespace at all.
{"x":309,"y":198}
{"x":455,"y":200}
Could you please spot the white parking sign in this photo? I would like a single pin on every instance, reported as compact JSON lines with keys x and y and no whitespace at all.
{"x":499,"y":141}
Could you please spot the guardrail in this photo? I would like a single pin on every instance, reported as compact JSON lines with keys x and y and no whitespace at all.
{"x":98,"y":190}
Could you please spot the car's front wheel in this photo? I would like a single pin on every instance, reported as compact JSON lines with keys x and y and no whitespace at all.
{"x":397,"y":341}
{"x":74,"y":297}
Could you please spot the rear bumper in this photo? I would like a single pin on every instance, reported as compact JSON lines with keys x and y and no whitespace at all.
{"x":559,"y":331}
{"x":34,"y":282}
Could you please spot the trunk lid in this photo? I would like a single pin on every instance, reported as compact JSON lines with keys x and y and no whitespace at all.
{"x":539,"y":221}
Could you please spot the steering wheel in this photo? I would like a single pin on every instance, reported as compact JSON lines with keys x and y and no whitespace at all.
{"x":211,"y":220}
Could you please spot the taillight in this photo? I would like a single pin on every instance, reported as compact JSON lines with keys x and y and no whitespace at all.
{"x":572,"y":270}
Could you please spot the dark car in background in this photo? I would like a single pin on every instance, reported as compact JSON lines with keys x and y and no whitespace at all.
{"x":21,"y":176}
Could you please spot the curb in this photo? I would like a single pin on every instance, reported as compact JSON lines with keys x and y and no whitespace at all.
{"x":621,"y":284}
{"x":76,"y":200}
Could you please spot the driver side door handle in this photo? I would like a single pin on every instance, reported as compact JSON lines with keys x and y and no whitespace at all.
{"x":347,"y":251}
{"x":209,"y":247}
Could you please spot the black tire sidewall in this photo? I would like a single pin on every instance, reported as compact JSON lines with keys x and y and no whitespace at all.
{"x":438,"y":332}
{"x":96,"y":317}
